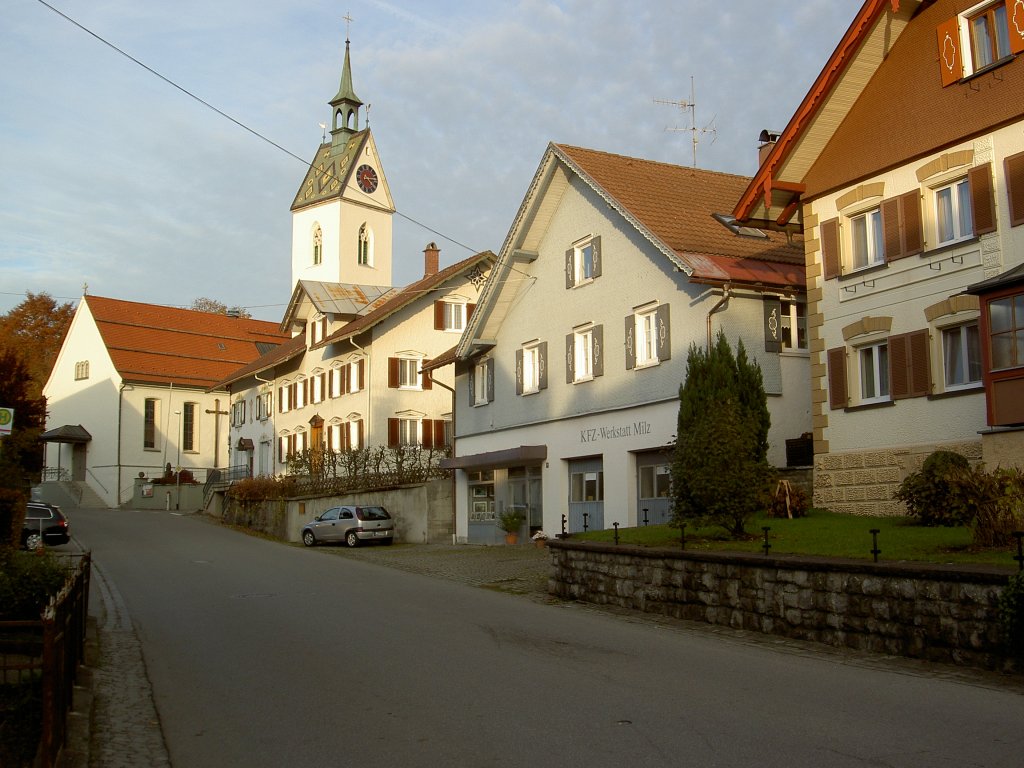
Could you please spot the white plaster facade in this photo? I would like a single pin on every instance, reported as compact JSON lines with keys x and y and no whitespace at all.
{"x":614,"y":425}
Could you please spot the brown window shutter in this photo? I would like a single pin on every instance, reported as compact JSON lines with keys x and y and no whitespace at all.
{"x":570,"y":268}
{"x":630,"y":342}
{"x":570,"y":357}
{"x":362,"y":373}
{"x":359,"y":434}
{"x":425,"y":381}
{"x":910,"y":215}
{"x":664,"y":333}
{"x":392,"y":433}
{"x":598,"y":255}
{"x":1015,"y":187}
{"x":909,"y":372}
{"x":345,"y":384}
{"x":891,"y":229}
{"x":469,"y":311}
{"x":439,"y":441}
{"x":1016,"y":31}
{"x":542,"y":362}
{"x":330,"y":383}
{"x":519,"y":371}
{"x":490,"y":380}
{"x":438,"y":315}
{"x":951,"y":62}
{"x":427,"y":434}
{"x":597,"y":337}
{"x":838,"y":394}
{"x":393,"y":372}
{"x":829,"y":233}
{"x":982,"y":202}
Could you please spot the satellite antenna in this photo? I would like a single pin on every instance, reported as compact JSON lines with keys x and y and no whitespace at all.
{"x":695,"y":132}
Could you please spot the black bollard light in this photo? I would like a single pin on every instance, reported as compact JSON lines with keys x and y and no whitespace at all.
{"x":586,"y":518}
{"x":615,"y":525}
{"x":563,"y":526}
{"x":766,"y":546}
{"x":874,"y":543}
{"x":1019,"y":557}
{"x":645,"y":515}
{"x":682,"y":535}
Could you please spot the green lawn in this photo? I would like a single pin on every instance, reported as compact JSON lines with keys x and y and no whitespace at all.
{"x":826,"y":534}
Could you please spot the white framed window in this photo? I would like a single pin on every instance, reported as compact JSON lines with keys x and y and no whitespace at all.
{"x":81,"y":370}
{"x":481,"y":390}
{"x":586,"y":486}
{"x":189,"y":427}
{"x":318,"y":244}
{"x":873,"y":360}
{"x":408,"y":431}
{"x":318,"y":329}
{"x":867,"y":240}
{"x":408,"y":373}
{"x":365,"y":245}
{"x":300,"y":389}
{"x":793,"y":326}
{"x":454,"y":316}
{"x":985,"y":33}
{"x":655,"y":481}
{"x":284,"y":400}
{"x":961,"y":355}
{"x":238,"y":413}
{"x":316,"y":388}
{"x":954,"y":219}
{"x":355,"y":380}
{"x":583,"y":262}
{"x":150,"y":420}
{"x":531,"y":367}
{"x":646,"y":338}
{"x":263,"y":404}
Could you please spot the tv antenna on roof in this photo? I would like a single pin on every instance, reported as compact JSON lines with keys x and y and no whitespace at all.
{"x":695,"y":132}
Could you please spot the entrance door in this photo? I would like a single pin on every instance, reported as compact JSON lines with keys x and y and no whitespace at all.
{"x":78,"y":462}
{"x":524,"y":487}
{"x":586,"y":495}
{"x":654,"y":500}
{"x":265,"y":468}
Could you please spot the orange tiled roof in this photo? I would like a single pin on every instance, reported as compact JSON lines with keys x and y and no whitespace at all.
{"x":676,"y":203}
{"x":163,"y":345}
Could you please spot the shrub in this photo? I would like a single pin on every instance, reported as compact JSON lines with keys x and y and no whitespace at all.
{"x":928,"y":494}
{"x":994,"y":501}
{"x":1010,"y":616}
{"x":27,"y":582}
{"x":12,"y":516}
{"x":720,"y":472}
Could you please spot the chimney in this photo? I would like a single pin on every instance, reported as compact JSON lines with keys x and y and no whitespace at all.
{"x":431,"y":259}
{"x":767,"y":139}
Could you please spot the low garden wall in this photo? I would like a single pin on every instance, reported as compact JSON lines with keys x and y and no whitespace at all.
{"x":922,"y":611}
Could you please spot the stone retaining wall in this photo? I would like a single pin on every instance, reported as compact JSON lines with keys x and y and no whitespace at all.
{"x":921,"y":611}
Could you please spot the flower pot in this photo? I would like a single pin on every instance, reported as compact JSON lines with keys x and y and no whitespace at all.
{"x":539,"y":543}
{"x":511,"y":538}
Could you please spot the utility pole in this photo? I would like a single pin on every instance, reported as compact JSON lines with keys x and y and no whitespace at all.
{"x":695,"y":132}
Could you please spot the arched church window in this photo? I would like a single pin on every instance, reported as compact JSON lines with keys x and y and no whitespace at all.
{"x":318,"y":244}
{"x":366,"y":246}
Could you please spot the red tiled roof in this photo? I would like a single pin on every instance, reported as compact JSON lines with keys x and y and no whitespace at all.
{"x":676,"y":203}
{"x":156,"y":344}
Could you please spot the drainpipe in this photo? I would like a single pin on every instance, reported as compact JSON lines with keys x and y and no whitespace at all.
{"x":452,"y":390}
{"x":120,"y":406}
{"x":369,"y":410}
{"x":716,"y":308}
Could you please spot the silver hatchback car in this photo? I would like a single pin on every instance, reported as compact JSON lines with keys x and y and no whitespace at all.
{"x":350,"y":524}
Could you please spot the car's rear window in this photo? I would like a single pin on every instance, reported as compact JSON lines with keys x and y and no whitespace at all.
{"x":374,"y":513}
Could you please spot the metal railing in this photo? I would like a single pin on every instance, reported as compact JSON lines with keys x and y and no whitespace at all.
{"x":47,"y":652}
{"x":219,"y":479}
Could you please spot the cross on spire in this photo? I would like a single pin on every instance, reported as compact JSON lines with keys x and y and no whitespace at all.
{"x":348,"y":23}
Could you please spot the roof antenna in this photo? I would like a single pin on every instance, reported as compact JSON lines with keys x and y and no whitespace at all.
{"x":695,"y":132}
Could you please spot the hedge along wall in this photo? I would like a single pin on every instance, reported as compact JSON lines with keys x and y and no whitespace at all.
{"x":922,"y":611}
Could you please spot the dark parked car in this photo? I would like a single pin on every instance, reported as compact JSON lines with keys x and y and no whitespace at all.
{"x":350,"y":524}
{"x":44,"y":524}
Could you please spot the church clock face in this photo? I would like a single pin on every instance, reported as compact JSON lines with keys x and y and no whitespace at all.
{"x":366,"y":178}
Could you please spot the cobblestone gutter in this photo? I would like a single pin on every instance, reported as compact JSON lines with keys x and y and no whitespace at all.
{"x":922,"y":611}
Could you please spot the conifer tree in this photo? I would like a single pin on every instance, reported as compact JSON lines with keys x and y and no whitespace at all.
{"x":720,"y":471}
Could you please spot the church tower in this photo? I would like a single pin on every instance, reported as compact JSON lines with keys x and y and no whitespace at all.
{"x":342,"y":214}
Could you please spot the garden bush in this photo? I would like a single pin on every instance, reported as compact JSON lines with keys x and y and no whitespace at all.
{"x":27,"y":582}
{"x":1011,"y":616}
{"x":928,"y":494}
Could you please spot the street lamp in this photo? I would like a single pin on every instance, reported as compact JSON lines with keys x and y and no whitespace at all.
{"x":177,"y":473}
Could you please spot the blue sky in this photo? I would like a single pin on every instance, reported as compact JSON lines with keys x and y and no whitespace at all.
{"x":113,"y":178}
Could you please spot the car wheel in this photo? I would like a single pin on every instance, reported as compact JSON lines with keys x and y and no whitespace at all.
{"x":387,"y":542}
{"x":33,"y":541}
{"x":351,"y":539}
{"x":308,"y":538}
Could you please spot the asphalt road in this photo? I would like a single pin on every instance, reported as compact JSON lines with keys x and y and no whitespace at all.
{"x":265,"y":654}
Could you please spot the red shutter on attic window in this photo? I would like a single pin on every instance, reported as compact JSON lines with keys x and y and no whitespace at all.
{"x":951,"y":64}
{"x":1015,"y":187}
{"x":982,"y":202}
{"x":438,"y":315}
{"x":1015,"y":22}
{"x":829,"y":233}
{"x":393,"y":372}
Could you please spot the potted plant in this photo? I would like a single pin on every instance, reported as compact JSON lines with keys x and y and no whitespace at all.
{"x":540,"y":539}
{"x":510,"y":521}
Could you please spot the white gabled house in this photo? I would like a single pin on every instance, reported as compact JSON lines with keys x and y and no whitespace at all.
{"x":132,"y":392}
{"x":569,"y":371}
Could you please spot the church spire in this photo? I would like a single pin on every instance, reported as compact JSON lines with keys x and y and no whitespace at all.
{"x":346,"y":108}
